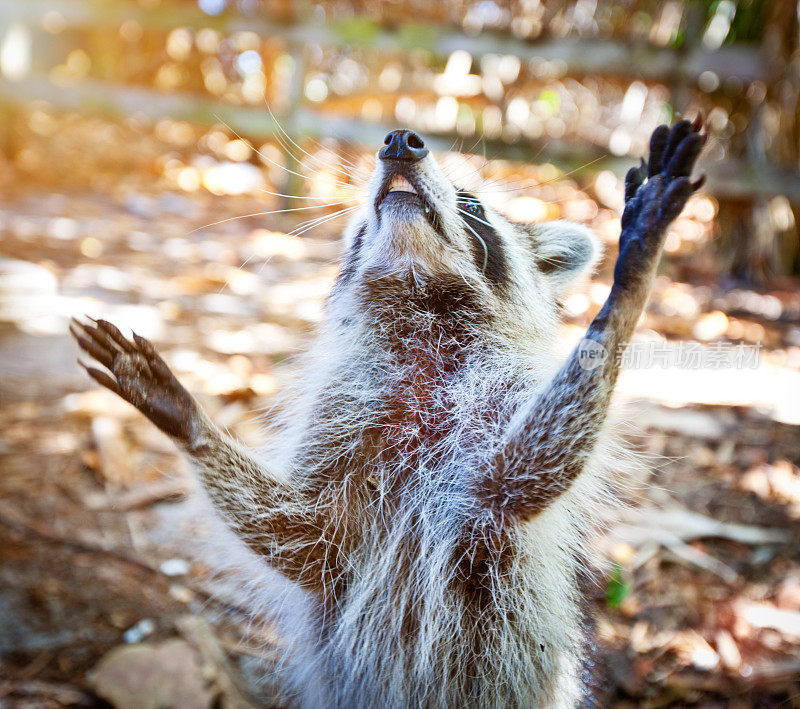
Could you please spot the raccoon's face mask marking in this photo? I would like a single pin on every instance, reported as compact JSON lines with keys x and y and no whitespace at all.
{"x":488,"y":252}
{"x":415,"y":221}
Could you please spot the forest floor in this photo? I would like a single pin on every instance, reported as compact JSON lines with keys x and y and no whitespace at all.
{"x":100,"y":585}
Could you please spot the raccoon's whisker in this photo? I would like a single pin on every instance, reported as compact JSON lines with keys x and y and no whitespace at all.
{"x":322,"y":220}
{"x":241,"y":267}
{"x":320,"y":199}
{"x":356,"y":170}
{"x":477,"y":219}
{"x":577,"y":169}
{"x":496,"y":186}
{"x":261,"y":214}
{"x":465,"y":155}
{"x":479,"y":238}
{"x":461,"y":172}
{"x":553,"y":179}
{"x":350,"y":159}
{"x":338,"y":212}
{"x":320,"y":164}
{"x":301,"y":229}
{"x":289,"y":138}
{"x":271,"y":161}
{"x":481,"y":137}
{"x":454,"y":174}
{"x":468,"y":156}
{"x":450,"y":148}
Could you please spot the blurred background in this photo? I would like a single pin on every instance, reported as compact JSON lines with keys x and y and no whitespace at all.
{"x":185,"y":168}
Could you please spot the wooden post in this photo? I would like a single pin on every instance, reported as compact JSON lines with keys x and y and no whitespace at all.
{"x":293,"y":184}
{"x":752,"y":245}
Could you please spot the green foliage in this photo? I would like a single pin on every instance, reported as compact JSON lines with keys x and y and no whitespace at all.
{"x":666,"y":113}
{"x":357,"y":31}
{"x":552,"y":100}
{"x":618,"y":588}
{"x":749,"y":21}
{"x":678,"y":39}
{"x":417,"y":36}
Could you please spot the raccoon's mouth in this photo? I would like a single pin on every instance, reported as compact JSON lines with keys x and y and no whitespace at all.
{"x":404,"y":189}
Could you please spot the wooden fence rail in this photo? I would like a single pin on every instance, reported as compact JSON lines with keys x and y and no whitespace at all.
{"x":578,"y":56}
{"x":731,"y":178}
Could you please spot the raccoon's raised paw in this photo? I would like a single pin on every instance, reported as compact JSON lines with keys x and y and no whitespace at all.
{"x":139,"y":376}
{"x":657,"y":191}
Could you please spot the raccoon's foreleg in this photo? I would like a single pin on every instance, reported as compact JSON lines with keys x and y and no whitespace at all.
{"x":261,"y":507}
{"x":549,"y":442}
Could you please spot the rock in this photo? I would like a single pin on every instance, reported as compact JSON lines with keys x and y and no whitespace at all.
{"x":152,"y":676}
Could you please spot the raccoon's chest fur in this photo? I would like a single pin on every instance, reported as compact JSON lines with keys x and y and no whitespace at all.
{"x":419,"y":570}
{"x":395,"y":436}
{"x":396,"y":448}
{"x":416,"y":416}
{"x":411,"y":391}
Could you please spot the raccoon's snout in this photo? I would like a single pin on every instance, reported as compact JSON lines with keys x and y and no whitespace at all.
{"x":403,"y":182}
{"x":403,"y":145}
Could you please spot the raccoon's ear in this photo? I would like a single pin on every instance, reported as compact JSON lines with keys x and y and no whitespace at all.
{"x":565,"y":251}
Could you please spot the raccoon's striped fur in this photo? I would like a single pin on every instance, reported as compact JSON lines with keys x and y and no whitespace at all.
{"x":431,"y":487}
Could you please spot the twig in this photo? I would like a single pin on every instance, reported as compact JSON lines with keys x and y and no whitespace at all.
{"x":672,"y":527}
{"x":63,"y":694}
{"x":140,"y":497}
{"x":684,"y":552}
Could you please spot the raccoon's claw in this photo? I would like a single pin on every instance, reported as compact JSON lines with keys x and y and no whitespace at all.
{"x":139,"y":376}
{"x":673,"y":153}
{"x":656,"y":193}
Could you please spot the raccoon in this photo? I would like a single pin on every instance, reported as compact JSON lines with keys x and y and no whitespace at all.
{"x":429,"y":492}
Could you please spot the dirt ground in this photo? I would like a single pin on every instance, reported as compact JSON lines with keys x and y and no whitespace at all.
{"x":98,"y":528}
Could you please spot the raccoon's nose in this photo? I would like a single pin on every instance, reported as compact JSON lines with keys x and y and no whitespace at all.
{"x":403,"y":145}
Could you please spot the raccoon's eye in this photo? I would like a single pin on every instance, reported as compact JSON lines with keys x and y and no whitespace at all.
{"x":467,"y":202}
